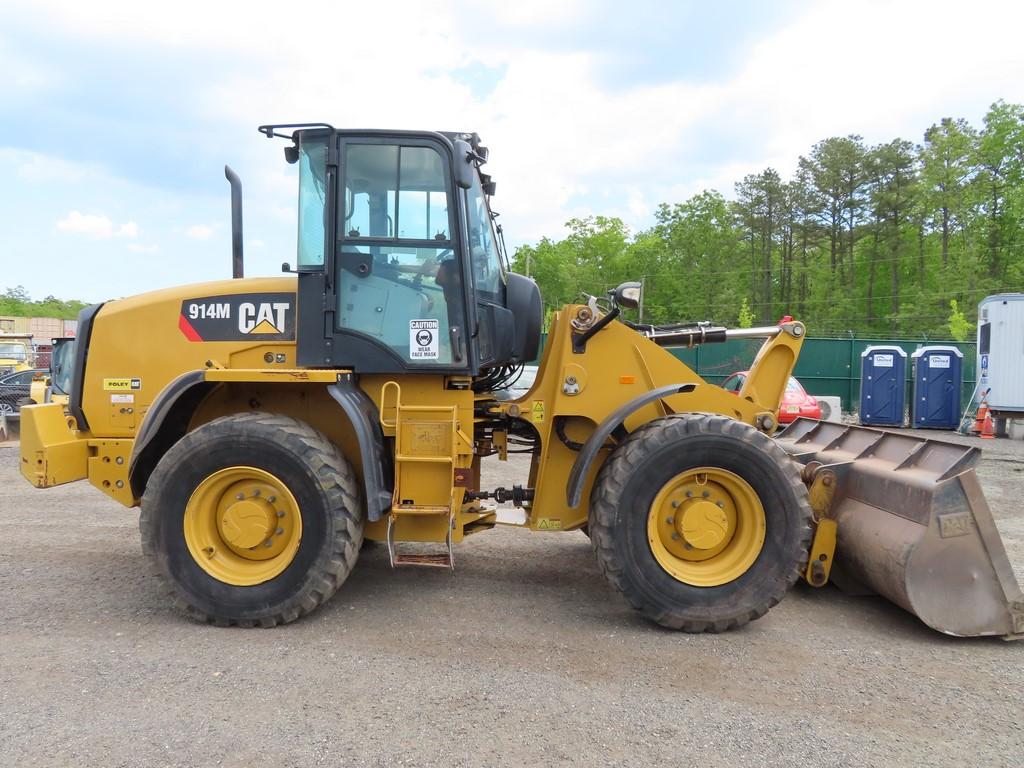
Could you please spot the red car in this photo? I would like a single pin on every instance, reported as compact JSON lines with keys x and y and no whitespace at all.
{"x":795,"y":400}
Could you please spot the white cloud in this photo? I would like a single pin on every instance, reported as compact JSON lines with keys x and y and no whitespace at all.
{"x":565,"y":141}
{"x":140,"y":248}
{"x":96,"y":226}
{"x":199,"y":232}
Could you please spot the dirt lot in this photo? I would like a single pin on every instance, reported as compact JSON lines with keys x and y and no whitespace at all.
{"x":522,"y":657}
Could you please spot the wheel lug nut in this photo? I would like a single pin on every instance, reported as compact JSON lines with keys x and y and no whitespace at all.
{"x":256,"y":492}
{"x":671,"y":521}
{"x":720,"y":504}
{"x":279,"y":531}
{"x":706,"y":494}
{"x":675,"y":504}
{"x":271,"y":499}
{"x":675,"y":537}
{"x":268,"y":543}
{"x":239,"y":496}
{"x":689,"y":494}
{"x":280,"y":513}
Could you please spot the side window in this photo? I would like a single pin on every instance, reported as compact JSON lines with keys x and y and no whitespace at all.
{"x":398,"y":279}
{"x":483,"y":250}
{"x":312,"y":197}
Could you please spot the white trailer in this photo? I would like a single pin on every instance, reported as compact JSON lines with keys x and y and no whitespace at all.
{"x":1001,"y":352}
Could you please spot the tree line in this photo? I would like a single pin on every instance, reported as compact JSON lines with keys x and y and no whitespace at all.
{"x":893,"y":239}
{"x":16,"y":302}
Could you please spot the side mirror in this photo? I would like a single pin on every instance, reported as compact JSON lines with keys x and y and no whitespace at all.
{"x":627,"y":295}
{"x":463,"y":165}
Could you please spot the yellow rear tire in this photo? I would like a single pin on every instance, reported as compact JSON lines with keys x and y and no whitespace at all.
{"x":252,"y":519}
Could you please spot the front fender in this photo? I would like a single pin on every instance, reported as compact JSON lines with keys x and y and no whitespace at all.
{"x":589,"y":451}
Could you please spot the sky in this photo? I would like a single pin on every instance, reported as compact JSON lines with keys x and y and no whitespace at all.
{"x":118,"y":117}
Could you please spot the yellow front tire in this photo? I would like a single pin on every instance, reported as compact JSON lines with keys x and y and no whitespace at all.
{"x":701,"y":522}
{"x":252,"y":519}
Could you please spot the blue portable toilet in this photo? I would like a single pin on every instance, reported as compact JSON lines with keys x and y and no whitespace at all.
{"x":938,"y":376}
{"x":883,"y":386}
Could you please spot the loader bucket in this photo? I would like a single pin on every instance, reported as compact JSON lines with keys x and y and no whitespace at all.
{"x":913,"y":526}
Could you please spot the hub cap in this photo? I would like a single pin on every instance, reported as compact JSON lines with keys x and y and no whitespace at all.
{"x":706,"y":527}
{"x":242,"y":526}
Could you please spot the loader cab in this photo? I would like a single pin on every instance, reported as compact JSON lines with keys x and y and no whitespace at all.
{"x":399,"y":268}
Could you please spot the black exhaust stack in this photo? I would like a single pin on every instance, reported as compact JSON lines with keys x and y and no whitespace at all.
{"x":237,"y":270}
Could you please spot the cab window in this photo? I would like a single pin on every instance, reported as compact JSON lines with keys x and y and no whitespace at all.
{"x":483,"y":248}
{"x":734,"y":383}
{"x":312,"y":196}
{"x":398,"y":278}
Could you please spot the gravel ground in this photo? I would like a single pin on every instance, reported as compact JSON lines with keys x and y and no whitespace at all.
{"x":522,"y":657}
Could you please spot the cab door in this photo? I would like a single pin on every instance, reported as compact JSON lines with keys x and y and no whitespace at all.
{"x":391,"y":295}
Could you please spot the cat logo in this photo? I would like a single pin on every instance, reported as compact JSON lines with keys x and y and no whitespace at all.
{"x":235,"y":317}
{"x":264,"y":318}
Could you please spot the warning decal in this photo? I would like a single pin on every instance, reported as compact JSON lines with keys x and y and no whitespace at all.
{"x":423,"y":339}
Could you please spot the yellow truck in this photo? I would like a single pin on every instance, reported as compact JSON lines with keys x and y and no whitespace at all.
{"x":15,"y":352}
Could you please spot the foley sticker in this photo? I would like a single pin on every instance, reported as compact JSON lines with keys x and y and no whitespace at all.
{"x":423,"y":339}
{"x":121,"y":385}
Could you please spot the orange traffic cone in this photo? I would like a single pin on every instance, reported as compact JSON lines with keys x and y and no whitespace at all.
{"x":987,"y":431}
{"x":981,"y":415}
{"x":979,"y":418}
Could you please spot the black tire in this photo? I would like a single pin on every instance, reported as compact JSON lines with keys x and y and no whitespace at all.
{"x":323,"y":484}
{"x":632,"y":477}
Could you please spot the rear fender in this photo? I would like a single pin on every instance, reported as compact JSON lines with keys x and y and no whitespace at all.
{"x":172,"y":412}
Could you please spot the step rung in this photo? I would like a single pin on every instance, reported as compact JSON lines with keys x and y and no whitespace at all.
{"x":420,"y":509}
{"x":431,"y":561}
{"x":424,"y":459}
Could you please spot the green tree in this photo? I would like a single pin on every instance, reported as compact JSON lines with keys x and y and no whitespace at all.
{"x":959,"y":328}
{"x":746,"y":317}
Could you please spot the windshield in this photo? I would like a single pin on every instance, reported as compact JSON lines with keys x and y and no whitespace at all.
{"x":483,"y":248}
{"x":9,"y":351}
{"x":62,"y":361}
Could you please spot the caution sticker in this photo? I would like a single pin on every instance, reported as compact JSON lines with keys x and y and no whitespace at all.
{"x":549,"y":524}
{"x":538,"y":411}
{"x":423,"y":339}
{"x":121,"y":385}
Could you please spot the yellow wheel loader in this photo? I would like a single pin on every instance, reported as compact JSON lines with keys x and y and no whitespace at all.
{"x":267,"y":427}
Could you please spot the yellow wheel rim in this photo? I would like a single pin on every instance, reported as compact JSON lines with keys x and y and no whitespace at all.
{"x":242,"y":526}
{"x":706,"y":527}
